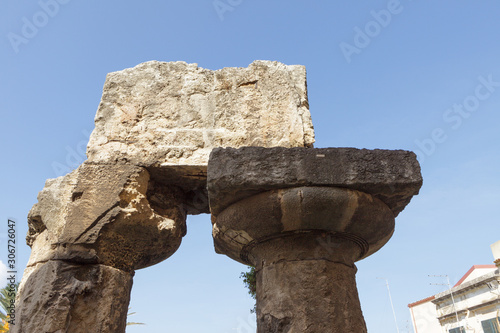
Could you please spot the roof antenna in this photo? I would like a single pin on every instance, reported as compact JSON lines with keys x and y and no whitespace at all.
{"x":451,"y":292}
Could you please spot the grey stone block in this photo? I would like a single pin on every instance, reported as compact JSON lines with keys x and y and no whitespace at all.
{"x":393,"y":176}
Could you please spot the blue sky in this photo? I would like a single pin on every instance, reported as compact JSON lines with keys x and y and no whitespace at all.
{"x":415,"y":75}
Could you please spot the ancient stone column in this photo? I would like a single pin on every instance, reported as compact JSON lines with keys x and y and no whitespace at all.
{"x":303,"y":217}
{"x":125,"y":207}
{"x":89,"y":231}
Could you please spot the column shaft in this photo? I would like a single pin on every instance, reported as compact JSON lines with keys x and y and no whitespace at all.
{"x":62,"y":297}
{"x":306,"y":283}
{"x":308,"y":296}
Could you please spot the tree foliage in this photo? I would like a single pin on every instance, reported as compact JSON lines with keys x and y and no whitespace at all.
{"x":131,"y":323}
{"x":250,"y":281}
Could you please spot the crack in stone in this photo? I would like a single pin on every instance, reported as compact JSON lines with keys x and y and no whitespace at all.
{"x":99,"y":218}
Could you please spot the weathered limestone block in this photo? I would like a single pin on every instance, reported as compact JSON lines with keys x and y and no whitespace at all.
{"x":107,"y":214}
{"x":169,"y":116}
{"x":303,"y":217}
{"x":65,"y":297}
{"x":173,"y":114}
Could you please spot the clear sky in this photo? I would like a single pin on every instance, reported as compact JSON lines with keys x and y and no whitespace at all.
{"x":416,"y":75}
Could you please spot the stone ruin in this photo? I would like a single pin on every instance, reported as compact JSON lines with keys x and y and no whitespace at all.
{"x":173,"y":139}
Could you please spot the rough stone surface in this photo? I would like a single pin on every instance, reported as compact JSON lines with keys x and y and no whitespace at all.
{"x":308,"y":296}
{"x":305,"y":277}
{"x":107,"y":214}
{"x":274,"y":214}
{"x":174,"y":114}
{"x":393,"y":176}
{"x":167,"y":117}
{"x":62,"y":297}
{"x":302,"y":217}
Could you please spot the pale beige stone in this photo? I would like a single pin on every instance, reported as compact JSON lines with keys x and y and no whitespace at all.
{"x":174,"y":113}
{"x":107,"y":214}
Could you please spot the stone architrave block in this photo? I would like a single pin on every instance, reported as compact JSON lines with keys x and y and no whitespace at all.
{"x":169,"y":116}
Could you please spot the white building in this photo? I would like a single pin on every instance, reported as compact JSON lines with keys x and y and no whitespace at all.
{"x":471,"y":306}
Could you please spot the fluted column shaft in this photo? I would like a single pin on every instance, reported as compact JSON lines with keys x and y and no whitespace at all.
{"x":306,"y":283}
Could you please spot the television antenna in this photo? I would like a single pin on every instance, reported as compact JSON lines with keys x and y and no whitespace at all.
{"x":451,"y":292}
